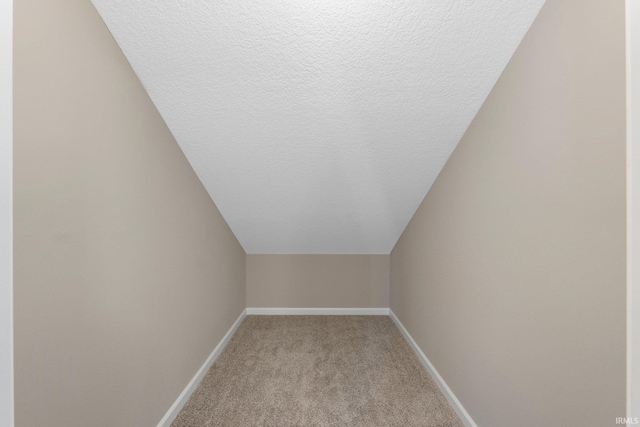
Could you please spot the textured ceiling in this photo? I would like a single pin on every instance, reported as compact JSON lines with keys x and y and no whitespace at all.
{"x":318,"y":126}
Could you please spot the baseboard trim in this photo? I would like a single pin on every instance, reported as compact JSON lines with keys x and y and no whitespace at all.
{"x":184,"y":396}
{"x":453,"y":400}
{"x":271,"y":311}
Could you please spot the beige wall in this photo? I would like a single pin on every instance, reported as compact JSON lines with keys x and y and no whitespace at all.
{"x":511,"y":275}
{"x":633,"y":205}
{"x":126,"y":275}
{"x":301,"y":281}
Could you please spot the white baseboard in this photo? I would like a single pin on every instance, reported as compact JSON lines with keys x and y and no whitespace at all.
{"x":318,"y":311}
{"x":453,"y":400}
{"x":184,"y":396}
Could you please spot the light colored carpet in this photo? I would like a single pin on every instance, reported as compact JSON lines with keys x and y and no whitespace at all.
{"x":317,"y":371}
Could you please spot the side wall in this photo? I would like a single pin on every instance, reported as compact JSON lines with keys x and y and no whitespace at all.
{"x":311,"y":281}
{"x":633,"y":208}
{"x":126,"y":275}
{"x":511,"y":275}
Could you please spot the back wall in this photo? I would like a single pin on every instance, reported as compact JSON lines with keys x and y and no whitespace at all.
{"x":311,"y":281}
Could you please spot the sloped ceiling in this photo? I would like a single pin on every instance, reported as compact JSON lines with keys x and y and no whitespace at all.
{"x":318,"y":126}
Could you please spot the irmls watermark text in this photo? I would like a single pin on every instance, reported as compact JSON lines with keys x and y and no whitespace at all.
{"x":627,"y":420}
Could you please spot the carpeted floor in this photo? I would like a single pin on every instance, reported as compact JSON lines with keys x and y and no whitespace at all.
{"x":317,"y":371}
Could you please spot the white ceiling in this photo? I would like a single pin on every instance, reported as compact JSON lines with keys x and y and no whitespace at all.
{"x":318,"y":126}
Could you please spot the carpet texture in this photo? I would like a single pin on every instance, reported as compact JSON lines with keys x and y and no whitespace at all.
{"x":317,"y":371}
